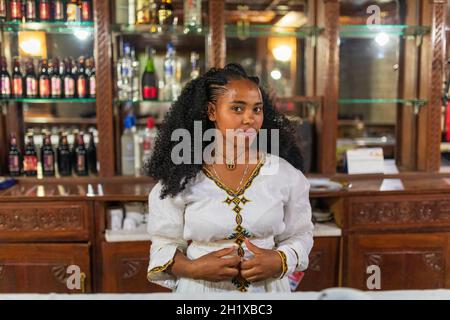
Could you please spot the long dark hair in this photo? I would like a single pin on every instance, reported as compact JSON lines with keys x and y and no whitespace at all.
{"x":191,"y":106}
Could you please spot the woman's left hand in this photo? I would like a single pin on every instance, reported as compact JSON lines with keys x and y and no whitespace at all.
{"x":265,"y":264}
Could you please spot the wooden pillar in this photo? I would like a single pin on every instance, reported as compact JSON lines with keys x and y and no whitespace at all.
{"x":104,"y":104}
{"x":4,"y":143}
{"x":430,"y":86}
{"x":217,"y":34}
{"x":327,"y":84}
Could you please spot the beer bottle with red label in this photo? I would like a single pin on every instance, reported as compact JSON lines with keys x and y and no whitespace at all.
{"x":15,"y":7}
{"x":48,"y":157}
{"x":30,"y":81}
{"x":17,"y":80}
{"x":81,"y":160}
{"x":5,"y":80}
{"x":44,"y":80}
{"x":30,"y":159}
{"x":14,"y":157}
{"x":81,"y":79}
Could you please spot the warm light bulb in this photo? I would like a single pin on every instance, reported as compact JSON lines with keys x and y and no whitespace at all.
{"x":282,"y":53}
{"x":276,"y":74}
{"x":31,"y":46}
{"x":382,"y":39}
{"x":81,"y":34}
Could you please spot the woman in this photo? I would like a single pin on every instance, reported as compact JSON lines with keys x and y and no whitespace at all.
{"x":231,"y":223}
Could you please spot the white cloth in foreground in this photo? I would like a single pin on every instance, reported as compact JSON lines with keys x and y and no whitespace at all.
{"x":271,"y":208}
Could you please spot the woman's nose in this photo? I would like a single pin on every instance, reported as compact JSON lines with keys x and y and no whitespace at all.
{"x":248,"y":118}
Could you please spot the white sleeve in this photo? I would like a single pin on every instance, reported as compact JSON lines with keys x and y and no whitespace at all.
{"x":165,"y":226}
{"x":296,"y":240}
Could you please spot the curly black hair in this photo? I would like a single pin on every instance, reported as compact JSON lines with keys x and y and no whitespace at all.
{"x":191,"y":106}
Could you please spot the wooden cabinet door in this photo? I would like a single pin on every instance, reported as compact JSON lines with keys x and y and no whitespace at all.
{"x":42,"y":268}
{"x":323,"y":266}
{"x":124,"y":268}
{"x":406,"y":261}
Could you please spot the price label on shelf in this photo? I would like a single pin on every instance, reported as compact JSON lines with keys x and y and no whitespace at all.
{"x":365,"y":160}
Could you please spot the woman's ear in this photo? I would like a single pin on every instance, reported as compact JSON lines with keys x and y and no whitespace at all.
{"x":211,"y":112}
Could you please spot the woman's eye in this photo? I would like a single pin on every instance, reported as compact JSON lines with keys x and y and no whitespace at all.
{"x":237,"y":108}
{"x":257,"y":109}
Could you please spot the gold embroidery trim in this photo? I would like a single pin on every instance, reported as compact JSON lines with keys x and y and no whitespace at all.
{"x":284,"y":265}
{"x":298,"y":259}
{"x":158,"y":269}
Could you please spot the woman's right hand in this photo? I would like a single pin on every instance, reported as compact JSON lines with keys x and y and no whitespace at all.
{"x":214,"y":267}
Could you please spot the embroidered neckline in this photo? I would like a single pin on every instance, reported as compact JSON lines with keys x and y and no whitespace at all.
{"x":244,"y":187}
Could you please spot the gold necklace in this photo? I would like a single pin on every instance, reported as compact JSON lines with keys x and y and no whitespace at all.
{"x":242,"y":179}
{"x":230,"y":164}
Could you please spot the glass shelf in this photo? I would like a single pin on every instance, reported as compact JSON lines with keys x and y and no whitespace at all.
{"x":40,"y":100}
{"x":156,"y":102}
{"x":63,"y":120}
{"x":253,"y":31}
{"x":383,"y":101}
{"x":50,"y":27}
{"x":350,"y":31}
{"x":156,"y":31}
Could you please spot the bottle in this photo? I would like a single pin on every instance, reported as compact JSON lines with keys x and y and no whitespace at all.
{"x":148,"y":140}
{"x":137,"y":141}
{"x":136,"y":79}
{"x":192,"y":14}
{"x":15,"y":10}
{"x":17,"y":80}
{"x":149,"y":79}
{"x":143,"y":12}
{"x":81,"y":79}
{"x":5,"y":80}
{"x":127,"y":144}
{"x":72,"y":11}
{"x":14,"y":157}
{"x":58,"y":10}
{"x":3,"y":12}
{"x":165,"y":13}
{"x":30,"y":81}
{"x":30,"y":159}
{"x":56,"y":82}
{"x":69,"y":80}
{"x":131,"y":12}
{"x":86,"y":10}
{"x":44,"y":80}
{"x":92,"y":80}
{"x":30,"y":10}
{"x":44,"y":10}
{"x":92,"y":154}
{"x":153,"y":12}
{"x":81,"y":160}
{"x":64,"y":156}
{"x":47,"y":157}
{"x":195,"y":65}
{"x":124,"y":74}
{"x":73,"y":151}
{"x":169,"y":72}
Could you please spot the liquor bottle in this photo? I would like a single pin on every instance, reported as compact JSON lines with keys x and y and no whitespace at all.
{"x":55,"y":80}
{"x":17,"y":80}
{"x":127,"y":145}
{"x":149,"y":79}
{"x":143,"y":12}
{"x":73,"y":150}
{"x":92,"y":80}
{"x":124,"y":74}
{"x":3,"y":11}
{"x":15,"y":10}
{"x":44,"y":80}
{"x":81,"y":79}
{"x":131,"y":12}
{"x":81,"y":160}
{"x":48,"y":157}
{"x":169,"y":72}
{"x":30,"y":81}
{"x":64,"y":156}
{"x":69,"y":80}
{"x":58,"y":10}
{"x":153,"y":11}
{"x":192,"y":14}
{"x":44,"y":10}
{"x":165,"y":13}
{"x":86,"y":10}
{"x":195,"y":65}
{"x":5,"y":80}
{"x":14,"y":157}
{"x":135,"y":77}
{"x":30,"y":10}
{"x":30,"y":159}
{"x":92,"y":154}
{"x":73,"y":11}
{"x":148,"y":140}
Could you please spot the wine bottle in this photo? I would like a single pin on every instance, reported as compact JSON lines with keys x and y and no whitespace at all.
{"x":44,"y":10}
{"x":81,"y":79}
{"x":5,"y":80}
{"x":30,"y":158}
{"x":92,"y":154}
{"x":17,"y":80}
{"x":149,"y":79}
{"x":30,"y":10}
{"x":30,"y":81}
{"x":14,"y":157}
{"x":15,"y":10}
{"x":69,"y":80}
{"x":64,"y":156}
{"x":56,"y":80}
{"x":44,"y":80}
{"x":81,"y":160}
{"x":48,"y":157}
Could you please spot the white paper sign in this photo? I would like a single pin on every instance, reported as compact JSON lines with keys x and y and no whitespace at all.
{"x":365,"y":160}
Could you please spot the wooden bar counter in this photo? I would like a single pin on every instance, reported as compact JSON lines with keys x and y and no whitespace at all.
{"x":400,"y":223}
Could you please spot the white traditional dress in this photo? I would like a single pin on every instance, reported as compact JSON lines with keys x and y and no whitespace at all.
{"x":271,"y":208}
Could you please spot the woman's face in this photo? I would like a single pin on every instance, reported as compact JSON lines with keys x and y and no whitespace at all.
{"x":239,"y":108}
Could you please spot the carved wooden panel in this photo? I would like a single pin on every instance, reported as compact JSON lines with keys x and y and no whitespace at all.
{"x":124,"y":268}
{"x":323,"y":265}
{"x":405,"y":261}
{"x":385,"y":213}
{"x":44,"y":221}
{"x":42,"y":268}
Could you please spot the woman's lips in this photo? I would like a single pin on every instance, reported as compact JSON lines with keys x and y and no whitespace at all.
{"x":246,"y":133}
